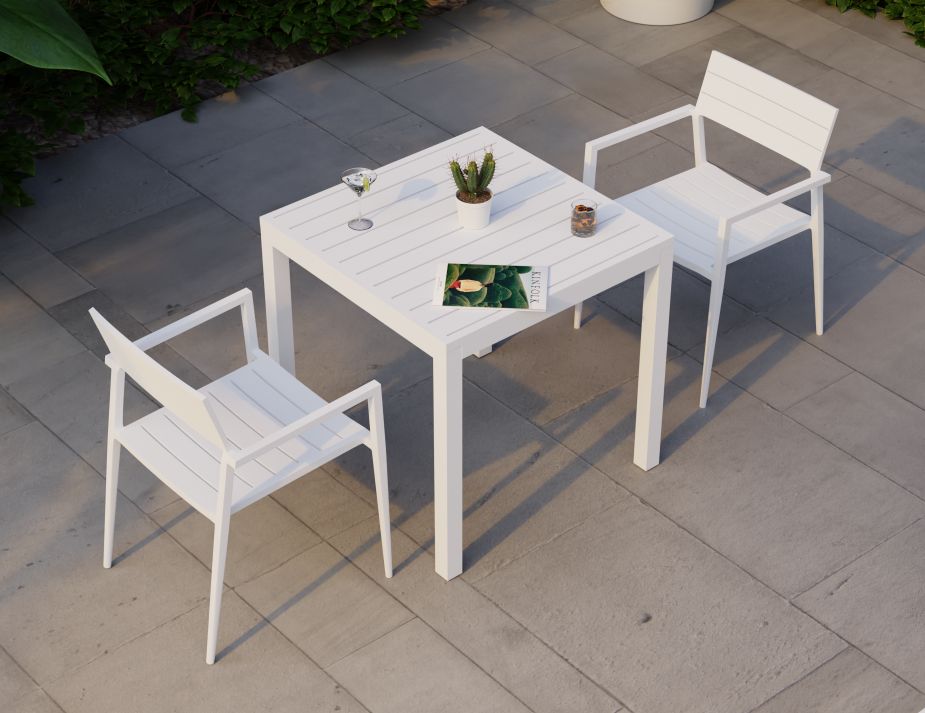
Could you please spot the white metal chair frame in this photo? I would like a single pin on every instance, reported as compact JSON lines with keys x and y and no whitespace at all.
{"x":773,"y":114}
{"x":196,"y":411}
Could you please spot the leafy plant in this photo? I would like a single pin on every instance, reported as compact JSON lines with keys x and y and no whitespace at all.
{"x":472,"y":181}
{"x":911,"y":12}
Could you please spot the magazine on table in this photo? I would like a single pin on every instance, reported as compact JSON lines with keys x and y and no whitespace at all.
{"x":491,"y":286}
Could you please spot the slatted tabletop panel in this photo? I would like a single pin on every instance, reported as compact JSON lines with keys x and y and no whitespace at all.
{"x":390,"y":269}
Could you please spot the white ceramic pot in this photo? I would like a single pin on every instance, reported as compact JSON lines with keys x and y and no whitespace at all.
{"x":658,"y":12}
{"x":473,"y":216}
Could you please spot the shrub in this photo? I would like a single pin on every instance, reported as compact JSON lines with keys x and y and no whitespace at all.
{"x":911,"y":12}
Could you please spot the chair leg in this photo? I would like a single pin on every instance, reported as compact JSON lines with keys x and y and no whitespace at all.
{"x":716,"y":302}
{"x":381,"y":476}
{"x":113,"y":451}
{"x":818,"y":234}
{"x":576,"y":321}
{"x":219,"y":552}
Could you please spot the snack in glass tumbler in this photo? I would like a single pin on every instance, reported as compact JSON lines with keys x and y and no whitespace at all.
{"x":584,"y":218}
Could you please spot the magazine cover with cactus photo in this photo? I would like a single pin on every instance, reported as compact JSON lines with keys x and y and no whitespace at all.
{"x":491,"y":286}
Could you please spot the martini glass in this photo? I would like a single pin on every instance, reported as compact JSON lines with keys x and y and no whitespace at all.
{"x":359,"y":180}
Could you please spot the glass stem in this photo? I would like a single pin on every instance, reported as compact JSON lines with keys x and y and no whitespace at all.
{"x":359,"y":206}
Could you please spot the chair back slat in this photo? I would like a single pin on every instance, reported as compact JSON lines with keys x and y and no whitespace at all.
{"x":768,"y":111}
{"x":179,"y":398}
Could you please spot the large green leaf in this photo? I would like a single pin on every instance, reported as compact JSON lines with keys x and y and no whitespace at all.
{"x":41,"y":33}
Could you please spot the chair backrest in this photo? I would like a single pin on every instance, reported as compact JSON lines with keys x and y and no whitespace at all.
{"x":179,"y":398}
{"x":766,"y":110}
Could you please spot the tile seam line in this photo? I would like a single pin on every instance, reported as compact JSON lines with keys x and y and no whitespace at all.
{"x":818,"y":391}
{"x":4,"y":650}
{"x":803,"y":678}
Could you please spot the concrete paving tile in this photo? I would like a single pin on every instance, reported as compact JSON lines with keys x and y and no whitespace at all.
{"x":222,"y":122}
{"x":387,"y":61}
{"x":37,"y":702}
{"x":75,"y":200}
{"x":323,"y":504}
{"x":875,"y":604}
{"x":607,"y":80}
{"x":72,"y":399}
{"x":572,"y":121}
{"x":32,"y":340}
{"x":15,"y":683}
{"x":526,"y":373}
{"x":262,"y":537}
{"x":36,"y":271}
{"x":477,"y":91}
{"x":555,"y":10}
{"x":12,"y":414}
{"x":521,"y":488}
{"x":272,"y":170}
{"x":60,"y":607}
{"x":794,"y":27}
{"x":641,"y":168}
{"x":494,"y":641}
{"x":772,"y":364}
{"x":325,"y":605}
{"x":168,"y":260}
{"x":165,"y":670}
{"x":533,"y":41}
{"x":867,"y":327}
{"x":657,"y":618}
{"x":331,"y":98}
{"x":398,"y":138}
{"x":690,"y":298}
{"x":849,"y":683}
{"x":413,"y":664}
{"x":874,"y":425}
{"x":755,"y":486}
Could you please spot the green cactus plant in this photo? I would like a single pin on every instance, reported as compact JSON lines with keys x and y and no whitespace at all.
{"x":473,"y":180}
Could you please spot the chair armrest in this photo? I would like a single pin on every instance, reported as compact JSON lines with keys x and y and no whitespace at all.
{"x":242,"y":298}
{"x":817,"y":180}
{"x":643,"y":127}
{"x":237,"y":458}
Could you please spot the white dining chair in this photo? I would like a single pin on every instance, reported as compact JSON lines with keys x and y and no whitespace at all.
{"x":234,"y":441}
{"x":715,"y":218}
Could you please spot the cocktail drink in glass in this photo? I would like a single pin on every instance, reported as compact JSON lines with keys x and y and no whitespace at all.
{"x":359,"y":180}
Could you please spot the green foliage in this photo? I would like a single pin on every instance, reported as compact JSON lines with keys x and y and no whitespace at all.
{"x":911,"y":12}
{"x":168,"y":54}
{"x":472,"y":181}
{"x":501,"y":286}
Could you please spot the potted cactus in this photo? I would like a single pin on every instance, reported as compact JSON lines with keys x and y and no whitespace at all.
{"x":473,"y":197}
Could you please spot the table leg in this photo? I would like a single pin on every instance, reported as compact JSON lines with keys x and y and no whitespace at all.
{"x":278,"y":293}
{"x":653,"y":352}
{"x":448,"y":501}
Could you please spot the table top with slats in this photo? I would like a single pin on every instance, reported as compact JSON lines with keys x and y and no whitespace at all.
{"x":390,"y":269}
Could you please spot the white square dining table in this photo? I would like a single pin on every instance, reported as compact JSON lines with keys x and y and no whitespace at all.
{"x":389,"y":272}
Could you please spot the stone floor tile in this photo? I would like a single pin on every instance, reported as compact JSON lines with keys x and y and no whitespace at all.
{"x":37,"y":702}
{"x":772,"y":364}
{"x":325,"y":605}
{"x":71,"y":398}
{"x":262,"y":537}
{"x":657,"y":618}
{"x":330,"y":98}
{"x":398,"y":138}
{"x":36,"y":271}
{"x":642,"y":167}
{"x":32,"y":341}
{"x":325,"y":505}
{"x":60,"y":607}
{"x":867,"y":326}
{"x":755,"y":486}
{"x":165,"y":670}
{"x":477,"y":91}
{"x":558,"y":132}
{"x":272,"y":170}
{"x":534,"y":40}
{"x":521,"y":488}
{"x":874,"y":425}
{"x":690,"y":299}
{"x":495,"y":642}
{"x":875,"y":604}
{"x":413,"y":666}
{"x":555,"y":10}
{"x":794,"y":27}
{"x":848,"y":683}
{"x":169,"y":260}
{"x":387,"y":61}
{"x":75,"y":200}
{"x":15,"y":683}
{"x":12,"y":414}
{"x":222,"y":122}
{"x":615,"y":84}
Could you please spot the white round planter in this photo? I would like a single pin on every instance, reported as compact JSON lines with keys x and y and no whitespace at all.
{"x":658,"y":12}
{"x":473,"y":216}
